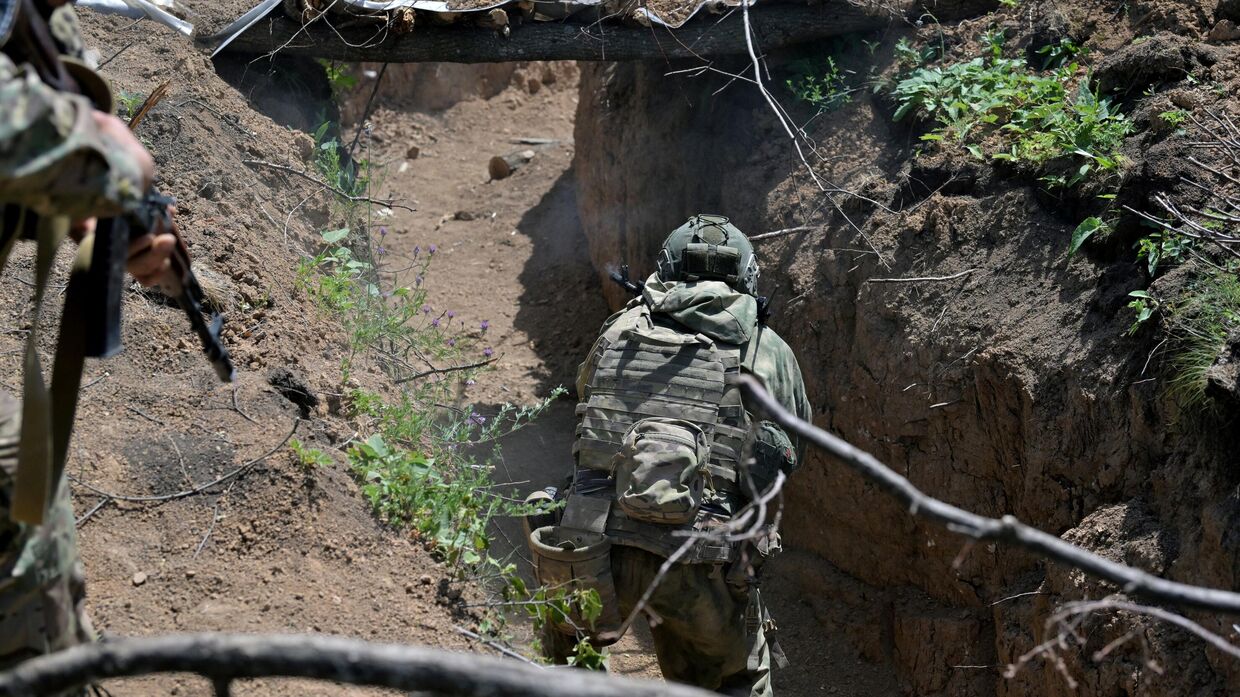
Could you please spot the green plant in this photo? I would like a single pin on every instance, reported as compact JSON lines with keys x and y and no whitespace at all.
{"x":819,"y":82}
{"x":909,"y":57}
{"x":1060,"y":53}
{"x":131,"y":101}
{"x":1087,"y":229}
{"x":1162,"y":247}
{"x":309,"y":458}
{"x":424,"y":465}
{"x":998,"y":106}
{"x":1144,"y":305}
{"x":1010,"y":4}
{"x":339,"y":77}
{"x":1174,"y":118}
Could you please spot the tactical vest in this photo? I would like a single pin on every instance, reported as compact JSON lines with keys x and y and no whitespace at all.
{"x":658,"y":368}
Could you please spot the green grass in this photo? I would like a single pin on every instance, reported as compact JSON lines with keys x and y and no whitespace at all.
{"x":1198,"y":325}
{"x":998,"y":108}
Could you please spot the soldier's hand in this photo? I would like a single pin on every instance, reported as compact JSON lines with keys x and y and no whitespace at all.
{"x":116,"y":131}
{"x":150,"y":260}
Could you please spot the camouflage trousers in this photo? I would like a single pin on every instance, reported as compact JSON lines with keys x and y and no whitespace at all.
{"x":710,"y":635}
{"x":42,"y":585}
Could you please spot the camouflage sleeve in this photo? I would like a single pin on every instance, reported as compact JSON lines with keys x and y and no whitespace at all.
{"x":53,"y":158}
{"x":774,"y":363}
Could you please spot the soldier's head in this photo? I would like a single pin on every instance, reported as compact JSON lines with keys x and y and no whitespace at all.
{"x":709,"y":248}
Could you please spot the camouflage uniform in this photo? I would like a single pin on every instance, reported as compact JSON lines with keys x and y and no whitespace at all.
{"x":54,"y":162}
{"x":714,"y":632}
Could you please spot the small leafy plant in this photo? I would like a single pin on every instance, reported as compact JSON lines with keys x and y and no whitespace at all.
{"x":819,"y":82}
{"x":997,"y":107}
{"x":309,"y":458}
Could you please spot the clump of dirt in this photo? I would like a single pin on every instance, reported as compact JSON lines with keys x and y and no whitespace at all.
{"x":1011,"y":388}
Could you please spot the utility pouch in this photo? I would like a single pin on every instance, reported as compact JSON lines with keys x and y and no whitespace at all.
{"x":572,"y":559}
{"x":710,"y":261}
{"x":661,"y":470}
{"x":772,"y":453}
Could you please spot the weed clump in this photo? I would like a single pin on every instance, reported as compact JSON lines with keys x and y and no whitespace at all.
{"x":1001,"y":109}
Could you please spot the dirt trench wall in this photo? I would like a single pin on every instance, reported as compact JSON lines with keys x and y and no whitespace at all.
{"x":1012,"y":390}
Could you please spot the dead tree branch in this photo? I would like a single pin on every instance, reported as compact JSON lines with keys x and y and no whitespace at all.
{"x":390,"y":203}
{"x":1008,"y":529}
{"x":224,"y":658}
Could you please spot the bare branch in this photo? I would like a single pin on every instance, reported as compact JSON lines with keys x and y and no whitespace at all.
{"x":306,"y":175}
{"x":1008,"y":529}
{"x":227,"y":657}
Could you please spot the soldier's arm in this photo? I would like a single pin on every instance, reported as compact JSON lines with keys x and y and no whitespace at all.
{"x":59,"y":156}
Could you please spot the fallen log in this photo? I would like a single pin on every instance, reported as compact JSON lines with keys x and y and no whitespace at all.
{"x":776,"y":26}
{"x":223,"y":658}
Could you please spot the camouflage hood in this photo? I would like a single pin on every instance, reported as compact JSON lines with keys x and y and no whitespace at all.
{"x":711,"y":307}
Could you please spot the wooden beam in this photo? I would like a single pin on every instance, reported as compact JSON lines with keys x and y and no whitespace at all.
{"x":776,"y":26}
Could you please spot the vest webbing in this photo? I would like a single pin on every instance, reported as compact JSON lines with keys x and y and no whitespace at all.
{"x":658,"y":368}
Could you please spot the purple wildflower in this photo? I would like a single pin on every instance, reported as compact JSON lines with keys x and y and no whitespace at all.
{"x":426,"y":309}
{"x":452,"y":342}
{"x":488,"y":352}
{"x":432,"y":249}
{"x":417,"y":282}
{"x":451,"y":314}
{"x":435,"y":322}
{"x":486,"y":324}
{"x":417,"y":249}
{"x":383,"y":232}
{"x":477,"y":418}
{"x":381,"y":250}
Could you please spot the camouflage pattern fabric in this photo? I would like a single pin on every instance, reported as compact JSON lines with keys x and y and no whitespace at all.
{"x":41,"y":577}
{"x":53,"y":158}
{"x":54,"y":162}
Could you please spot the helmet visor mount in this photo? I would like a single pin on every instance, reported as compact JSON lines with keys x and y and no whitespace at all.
{"x":709,"y":248}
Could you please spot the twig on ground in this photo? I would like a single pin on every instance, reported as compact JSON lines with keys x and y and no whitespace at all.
{"x":195,"y":490}
{"x":495,"y":645}
{"x":339,"y":192}
{"x":144,"y":415}
{"x":237,"y":407}
{"x":921,"y":278}
{"x":89,"y":514}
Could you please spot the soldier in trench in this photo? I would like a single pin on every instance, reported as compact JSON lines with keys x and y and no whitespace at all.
{"x":64,"y":161}
{"x":665,"y":446}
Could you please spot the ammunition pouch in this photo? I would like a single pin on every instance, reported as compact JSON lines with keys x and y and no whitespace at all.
{"x":572,"y":560}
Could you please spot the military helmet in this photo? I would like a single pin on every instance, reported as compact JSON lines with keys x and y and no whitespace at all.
{"x":708,"y":247}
